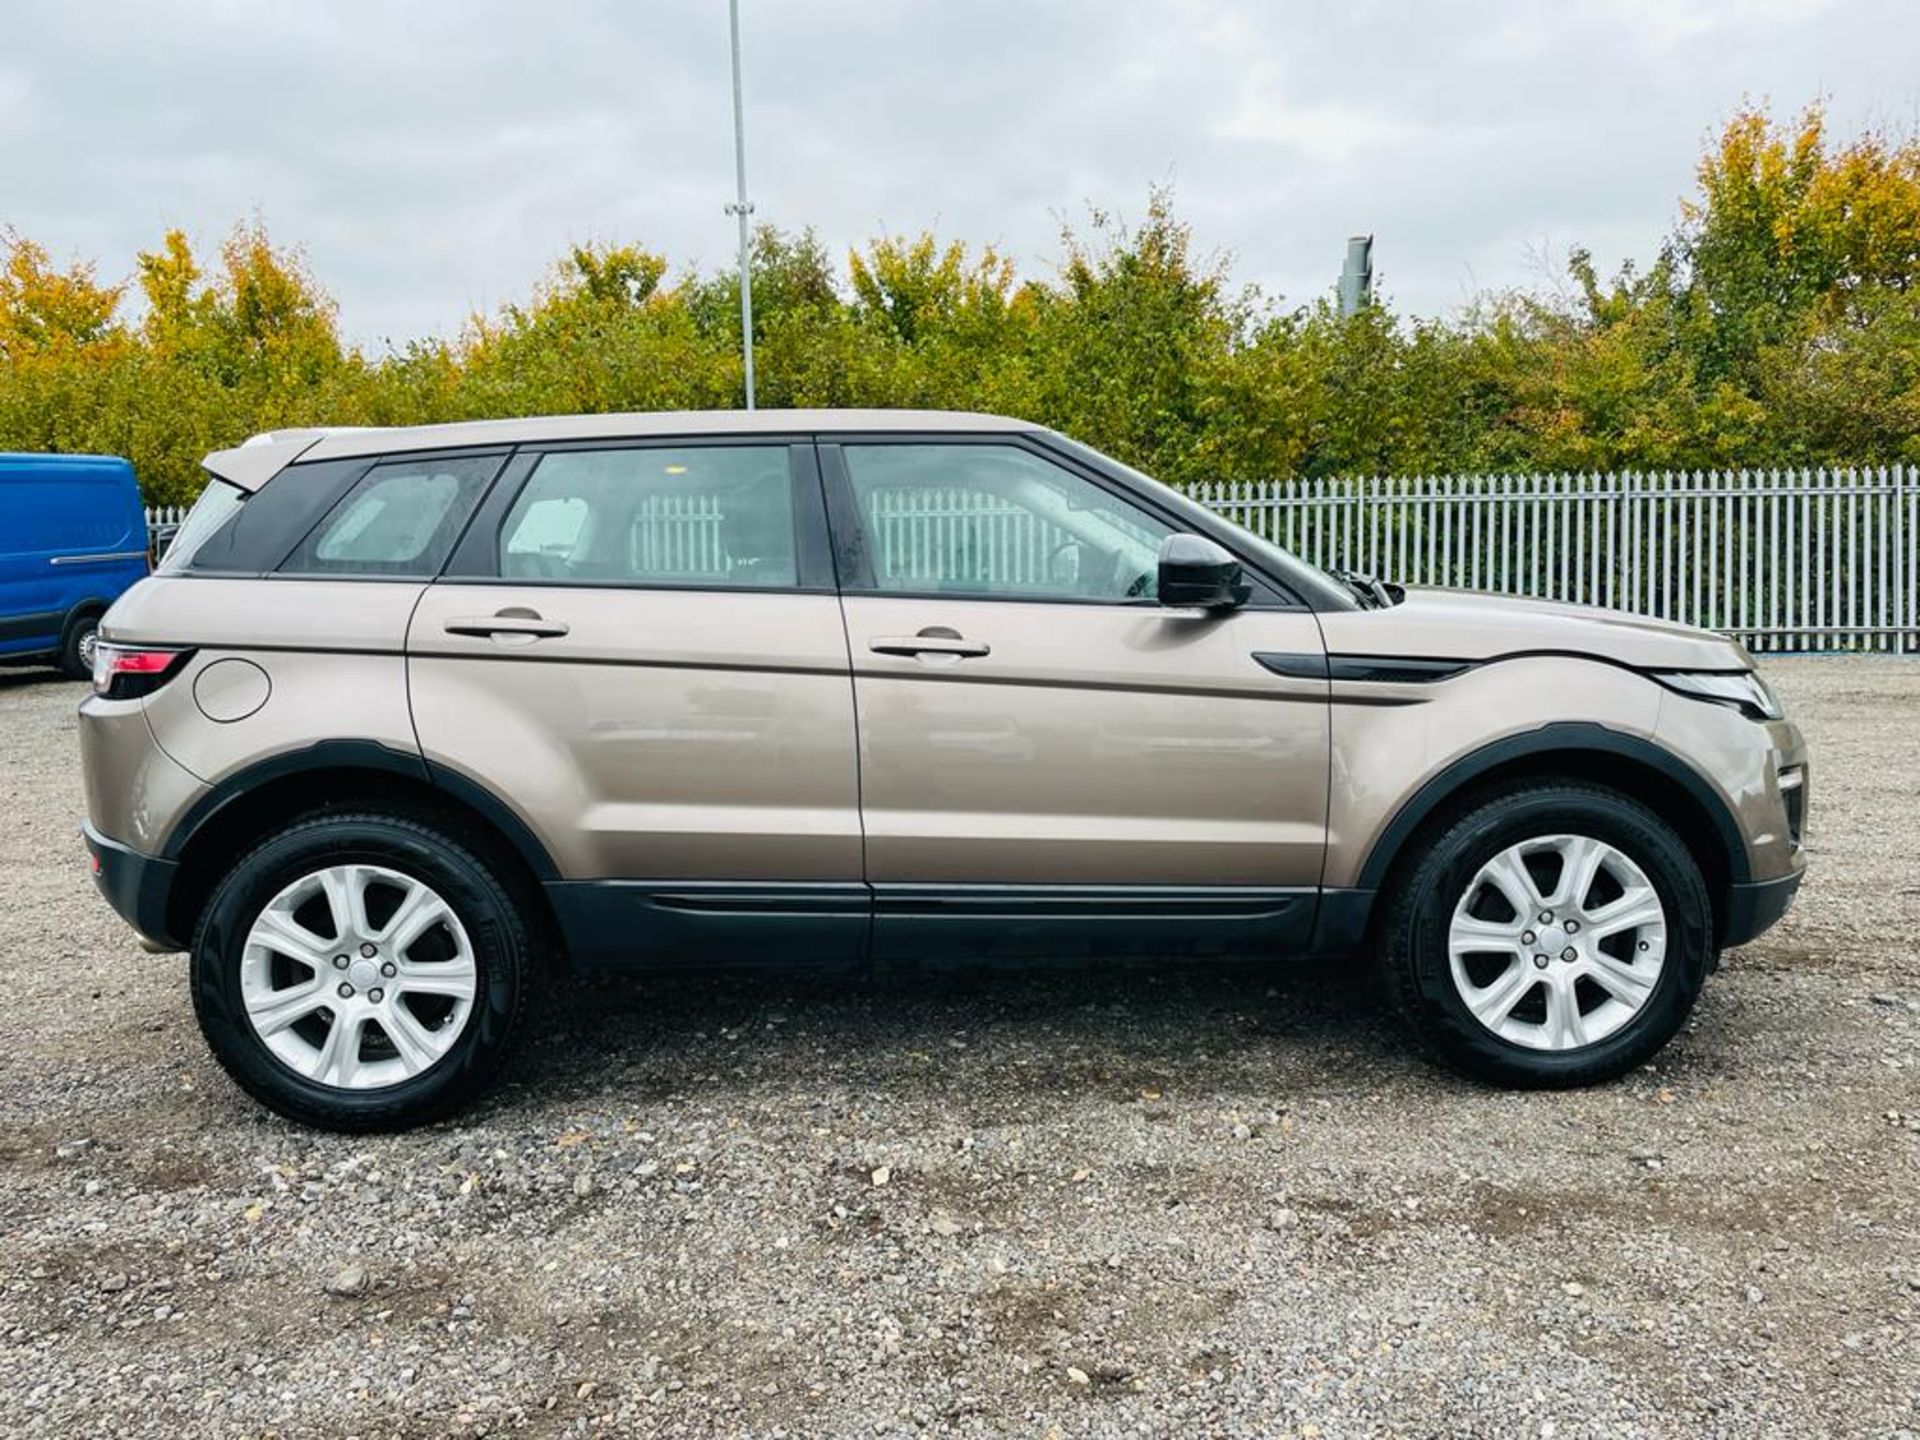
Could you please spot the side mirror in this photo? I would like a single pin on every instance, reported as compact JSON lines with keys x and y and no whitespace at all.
{"x":1195,"y":572}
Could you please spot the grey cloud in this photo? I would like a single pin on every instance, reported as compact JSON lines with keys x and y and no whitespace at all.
{"x":436,"y":158}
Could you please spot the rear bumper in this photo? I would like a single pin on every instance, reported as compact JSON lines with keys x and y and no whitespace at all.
{"x":137,"y":886}
{"x":1753,"y":909}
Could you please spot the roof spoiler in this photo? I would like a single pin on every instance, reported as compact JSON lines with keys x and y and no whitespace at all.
{"x":259,"y":458}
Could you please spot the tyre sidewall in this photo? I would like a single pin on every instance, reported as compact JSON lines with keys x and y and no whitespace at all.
{"x":494,"y":931}
{"x":72,"y":663}
{"x":1443,"y":877}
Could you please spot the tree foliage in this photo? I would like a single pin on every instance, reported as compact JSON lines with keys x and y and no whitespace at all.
{"x":1779,"y":323}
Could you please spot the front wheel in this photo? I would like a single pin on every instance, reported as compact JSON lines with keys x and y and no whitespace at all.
{"x":361,"y":972}
{"x":1555,"y":934}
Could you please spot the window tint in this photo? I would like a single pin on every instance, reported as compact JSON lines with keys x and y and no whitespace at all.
{"x":400,"y":520}
{"x":719,"y":515}
{"x":997,"y":520}
{"x":212,"y":510}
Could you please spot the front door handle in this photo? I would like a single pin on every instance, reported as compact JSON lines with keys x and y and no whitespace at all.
{"x":934,"y":640}
{"x":507,"y":622}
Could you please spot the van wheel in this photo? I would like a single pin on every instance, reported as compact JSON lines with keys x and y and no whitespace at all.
{"x":362,"y":972}
{"x":1555,"y":934}
{"x":76,"y":650}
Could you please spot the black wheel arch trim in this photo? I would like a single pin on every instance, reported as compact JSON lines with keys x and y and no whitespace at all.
{"x":363,"y":755}
{"x":1559,"y":736}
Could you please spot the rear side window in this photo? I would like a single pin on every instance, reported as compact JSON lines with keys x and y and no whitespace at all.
{"x":399,"y":521}
{"x":216,"y":505}
{"x":705,"y":516}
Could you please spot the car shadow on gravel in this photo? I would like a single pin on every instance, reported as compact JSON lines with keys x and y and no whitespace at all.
{"x":1053,"y":1032}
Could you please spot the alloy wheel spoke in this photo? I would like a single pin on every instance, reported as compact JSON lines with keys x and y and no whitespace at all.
{"x":1565,"y":1025}
{"x":1510,"y":876}
{"x":417,"y":1046}
{"x":1470,"y":934}
{"x":1581,"y":858}
{"x":346,"y":892}
{"x":1627,"y":984}
{"x":1638,"y":907}
{"x":454,"y":980}
{"x":274,"y":1010}
{"x":1493,"y":1003}
{"x":278,"y":931}
{"x":339,"y":1056}
{"x":417,"y":913}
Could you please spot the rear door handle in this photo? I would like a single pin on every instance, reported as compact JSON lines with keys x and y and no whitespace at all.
{"x":933,"y":641}
{"x":506,"y":623}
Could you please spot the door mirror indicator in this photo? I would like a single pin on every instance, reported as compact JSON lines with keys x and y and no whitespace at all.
{"x":1197,"y":573}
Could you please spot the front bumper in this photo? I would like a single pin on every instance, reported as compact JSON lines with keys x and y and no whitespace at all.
{"x":1753,"y":909}
{"x":137,"y":886}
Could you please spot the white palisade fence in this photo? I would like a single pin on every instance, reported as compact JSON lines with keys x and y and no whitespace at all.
{"x":1783,"y":559}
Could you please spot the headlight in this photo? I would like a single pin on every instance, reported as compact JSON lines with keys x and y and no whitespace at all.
{"x":1744,"y":690}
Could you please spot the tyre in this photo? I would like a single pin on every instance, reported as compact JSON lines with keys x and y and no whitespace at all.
{"x":362,"y":972}
{"x":1554,"y":934}
{"x":77,"y":646}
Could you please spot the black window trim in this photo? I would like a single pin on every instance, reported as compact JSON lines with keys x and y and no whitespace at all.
{"x":475,"y":557}
{"x":855,"y":563}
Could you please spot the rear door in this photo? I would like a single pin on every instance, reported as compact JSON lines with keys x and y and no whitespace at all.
{"x":638,"y":648}
{"x":1050,"y":760}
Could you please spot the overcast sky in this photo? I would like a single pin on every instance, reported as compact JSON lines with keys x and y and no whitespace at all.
{"x":433,"y":158}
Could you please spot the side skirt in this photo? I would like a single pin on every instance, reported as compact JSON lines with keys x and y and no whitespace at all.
{"x":666,"y":924}
{"x":989,"y":924}
{"x":640,"y":925}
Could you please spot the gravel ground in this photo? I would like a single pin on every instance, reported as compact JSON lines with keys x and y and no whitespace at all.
{"x":1064,"y":1203}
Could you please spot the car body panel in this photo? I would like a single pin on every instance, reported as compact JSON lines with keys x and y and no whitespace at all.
{"x":73,"y":537}
{"x":1463,"y":624}
{"x":334,"y":663}
{"x":667,"y":735}
{"x":1093,"y":745}
{"x":1390,"y":738}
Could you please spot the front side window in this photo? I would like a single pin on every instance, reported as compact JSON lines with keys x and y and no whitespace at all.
{"x":704,"y":516}
{"x":400,"y":520}
{"x":998,"y":521}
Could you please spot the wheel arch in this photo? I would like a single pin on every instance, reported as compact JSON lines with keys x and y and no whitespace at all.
{"x":345,"y":774}
{"x":1578,"y":750}
{"x":90,"y":608}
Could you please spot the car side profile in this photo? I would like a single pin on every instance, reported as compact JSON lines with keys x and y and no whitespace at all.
{"x":73,"y":536}
{"x":412,"y":720}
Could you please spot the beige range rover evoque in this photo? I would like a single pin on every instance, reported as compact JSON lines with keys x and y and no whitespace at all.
{"x":411,"y":721}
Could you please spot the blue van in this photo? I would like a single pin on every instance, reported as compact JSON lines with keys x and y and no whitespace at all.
{"x":73,"y":535}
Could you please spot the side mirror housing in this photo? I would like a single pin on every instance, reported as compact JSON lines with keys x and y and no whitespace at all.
{"x":1196,"y":573}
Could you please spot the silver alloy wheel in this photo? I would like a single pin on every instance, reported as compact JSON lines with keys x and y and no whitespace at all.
{"x":89,"y":646}
{"x":356,"y":1004}
{"x":1557,"y":942}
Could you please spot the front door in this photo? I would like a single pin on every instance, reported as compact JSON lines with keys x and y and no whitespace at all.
{"x":1051,"y":761}
{"x":638,"y":648}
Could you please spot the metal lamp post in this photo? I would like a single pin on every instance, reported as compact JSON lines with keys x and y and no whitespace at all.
{"x":742,"y":207}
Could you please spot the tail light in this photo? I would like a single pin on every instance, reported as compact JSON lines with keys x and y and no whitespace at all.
{"x":122,"y":672}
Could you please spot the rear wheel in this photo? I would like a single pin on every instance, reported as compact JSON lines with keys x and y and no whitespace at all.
{"x":1554,"y":934}
{"x":77,"y":647}
{"x":362,"y":972}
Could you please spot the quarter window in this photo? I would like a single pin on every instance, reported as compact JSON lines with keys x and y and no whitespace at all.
{"x":997,"y":520}
{"x":704,"y":516}
{"x":400,"y":520}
